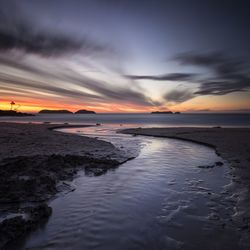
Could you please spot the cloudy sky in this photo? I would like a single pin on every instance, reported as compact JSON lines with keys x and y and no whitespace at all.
{"x":125,"y":55}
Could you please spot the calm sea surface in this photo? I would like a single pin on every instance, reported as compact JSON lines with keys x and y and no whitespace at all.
{"x":145,"y":120}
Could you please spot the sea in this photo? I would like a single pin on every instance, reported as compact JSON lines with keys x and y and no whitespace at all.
{"x":142,"y":119}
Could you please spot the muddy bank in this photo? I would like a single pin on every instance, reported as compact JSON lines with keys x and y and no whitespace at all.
{"x":232,"y":144}
{"x":35,"y":163}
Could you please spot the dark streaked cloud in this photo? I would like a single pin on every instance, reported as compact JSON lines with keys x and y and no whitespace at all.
{"x":226,"y":75}
{"x":37,"y":85}
{"x":219,"y":63}
{"x":72,"y":84}
{"x":115,"y":93}
{"x":18,"y":33}
{"x":45,"y":47}
{"x":166,"y":77}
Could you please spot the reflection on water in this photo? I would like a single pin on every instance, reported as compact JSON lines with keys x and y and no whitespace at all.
{"x":160,"y":200}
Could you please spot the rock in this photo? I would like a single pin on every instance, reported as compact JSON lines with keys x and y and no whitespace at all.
{"x":39,"y":212}
{"x":13,"y":228}
{"x":206,"y":166}
{"x":95,"y":171}
{"x":219,"y":163}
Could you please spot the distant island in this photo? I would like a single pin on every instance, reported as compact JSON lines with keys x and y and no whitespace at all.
{"x":64,"y":111}
{"x":13,"y":113}
{"x":49,"y":111}
{"x":84,"y":111}
{"x":164,"y":112}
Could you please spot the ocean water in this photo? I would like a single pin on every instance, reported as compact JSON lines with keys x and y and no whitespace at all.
{"x":161,"y":200}
{"x":144,"y":120}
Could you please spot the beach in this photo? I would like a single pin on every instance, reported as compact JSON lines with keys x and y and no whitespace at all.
{"x":233,"y":145}
{"x":37,"y":162}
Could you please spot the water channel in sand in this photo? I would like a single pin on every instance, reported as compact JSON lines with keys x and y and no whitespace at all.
{"x":159,"y":200}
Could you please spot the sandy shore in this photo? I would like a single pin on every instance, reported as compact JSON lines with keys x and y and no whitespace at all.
{"x":35,"y":163}
{"x":232,"y":144}
{"x":39,"y":139}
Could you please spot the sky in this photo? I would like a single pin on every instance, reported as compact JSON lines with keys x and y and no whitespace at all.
{"x":125,"y":55}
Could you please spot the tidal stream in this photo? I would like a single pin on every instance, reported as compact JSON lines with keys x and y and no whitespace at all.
{"x":161,"y":200}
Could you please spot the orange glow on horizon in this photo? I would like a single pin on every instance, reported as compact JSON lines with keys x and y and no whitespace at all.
{"x":199,"y":104}
{"x":34,"y":106}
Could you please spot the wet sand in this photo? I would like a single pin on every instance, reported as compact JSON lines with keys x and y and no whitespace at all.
{"x":35,"y":164}
{"x":232,"y":144}
{"x":40,"y":139}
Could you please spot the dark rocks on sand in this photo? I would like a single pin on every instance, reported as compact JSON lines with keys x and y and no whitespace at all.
{"x":13,"y":228}
{"x":35,"y":178}
{"x":219,"y":163}
{"x":206,"y":166}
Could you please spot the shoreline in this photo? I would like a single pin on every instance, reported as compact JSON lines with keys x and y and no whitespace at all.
{"x":233,"y":145}
{"x":209,"y":137}
{"x":36,"y":161}
{"x":40,"y":160}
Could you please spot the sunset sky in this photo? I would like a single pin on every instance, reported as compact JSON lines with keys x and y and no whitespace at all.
{"x":125,"y":55}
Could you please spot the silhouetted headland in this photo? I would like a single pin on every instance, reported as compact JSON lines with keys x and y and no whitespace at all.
{"x":50,"y":111}
{"x":84,"y":111}
{"x":13,"y":113}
